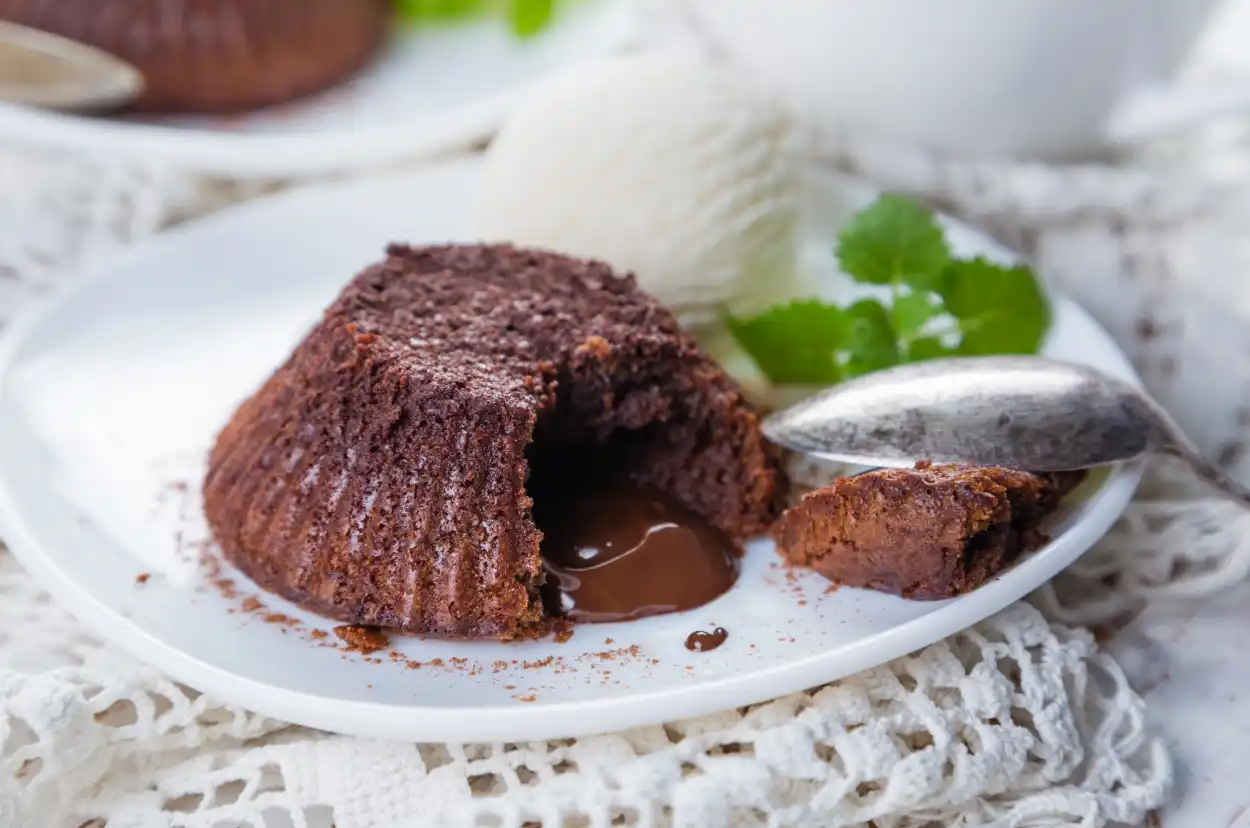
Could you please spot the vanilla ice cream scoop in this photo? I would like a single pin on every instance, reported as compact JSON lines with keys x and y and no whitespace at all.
{"x":659,"y":165}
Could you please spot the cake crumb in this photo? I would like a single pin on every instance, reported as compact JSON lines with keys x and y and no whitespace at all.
{"x":509,"y":687}
{"x":226,"y":587}
{"x":595,"y":346}
{"x":529,"y":698}
{"x":832,"y":588}
{"x":251,"y":604}
{"x":362,"y":639}
{"x":317,"y":635}
{"x":607,"y":641}
{"x":561,"y":630}
{"x":142,"y":578}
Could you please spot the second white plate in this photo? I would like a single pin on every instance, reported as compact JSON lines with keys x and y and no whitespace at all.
{"x":111,"y":396}
{"x":434,"y":89}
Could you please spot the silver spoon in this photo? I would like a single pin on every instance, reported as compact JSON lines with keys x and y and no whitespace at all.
{"x":53,"y":72}
{"x":1024,"y":412}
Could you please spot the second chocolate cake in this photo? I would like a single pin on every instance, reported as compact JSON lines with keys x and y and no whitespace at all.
{"x":220,"y":55}
{"x":928,"y":532}
{"x":383,"y":475}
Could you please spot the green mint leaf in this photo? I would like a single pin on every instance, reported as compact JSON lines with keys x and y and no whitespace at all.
{"x":524,"y":17}
{"x":1000,"y":309}
{"x":529,"y":17}
{"x":871,"y":341}
{"x":927,"y":347}
{"x":992,"y":309}
{"x":795,"y":344}
{"x":893,"y":240}
{"x":439,"y":10}
{"x":911,"y":311}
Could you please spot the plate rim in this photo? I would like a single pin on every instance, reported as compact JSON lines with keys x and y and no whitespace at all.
{"x":508,"y":722}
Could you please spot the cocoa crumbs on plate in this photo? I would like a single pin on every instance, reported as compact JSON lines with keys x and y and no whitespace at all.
{"x":362,"y":639}
{"x":251,"y":604}
{"x":142,"y":578}
{"x":317,"y":635}
{"x":226,"y":587}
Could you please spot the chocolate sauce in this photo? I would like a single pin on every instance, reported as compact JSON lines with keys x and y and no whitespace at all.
{"x":703,"y":642}
{"x":619,"y":553}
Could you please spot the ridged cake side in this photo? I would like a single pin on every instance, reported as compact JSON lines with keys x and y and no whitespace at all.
{"x":369,"y":493}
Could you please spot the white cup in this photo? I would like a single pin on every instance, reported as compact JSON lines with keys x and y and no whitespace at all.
{"x":1056,"y":79}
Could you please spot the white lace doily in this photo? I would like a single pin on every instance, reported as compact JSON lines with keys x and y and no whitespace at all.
{"x":1021,"y":721}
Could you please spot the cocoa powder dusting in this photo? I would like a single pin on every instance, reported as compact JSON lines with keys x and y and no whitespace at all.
{"x":362,"y":639}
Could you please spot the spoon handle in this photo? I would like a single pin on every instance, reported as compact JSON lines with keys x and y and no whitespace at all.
{"x":1210,"y":473}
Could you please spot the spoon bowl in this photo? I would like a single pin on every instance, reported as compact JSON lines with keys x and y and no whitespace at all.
{"x":1029,"y":413}
{"x":45,"y":70}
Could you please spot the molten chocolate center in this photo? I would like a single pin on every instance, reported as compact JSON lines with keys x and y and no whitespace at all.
{"x":621,"y":553}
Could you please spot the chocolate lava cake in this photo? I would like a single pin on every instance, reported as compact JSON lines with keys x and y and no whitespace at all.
{"x":383,"y":475}
{"x":928,"y":532}
{"x":220,"y":55}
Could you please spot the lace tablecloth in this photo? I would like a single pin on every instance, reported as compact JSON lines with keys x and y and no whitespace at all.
{"x":1023,"y":720}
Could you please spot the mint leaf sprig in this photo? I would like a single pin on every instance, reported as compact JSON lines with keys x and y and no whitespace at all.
{"x":939,"y":305}
{"x":525,"y":17}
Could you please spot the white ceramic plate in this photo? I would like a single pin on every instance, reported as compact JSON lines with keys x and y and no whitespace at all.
{"x":434,"y":89}
{"x":110,"y":398}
